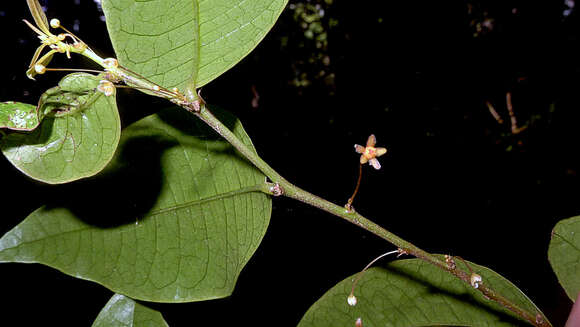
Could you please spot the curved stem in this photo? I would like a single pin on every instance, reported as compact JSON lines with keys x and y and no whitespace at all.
{"x":133,"y":79}
{"x":362,"y":272}
{"x":292,"y":191}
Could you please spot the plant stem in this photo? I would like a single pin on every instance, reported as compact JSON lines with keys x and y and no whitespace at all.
{"x":351,"y":199}
{"x":292,"y":191}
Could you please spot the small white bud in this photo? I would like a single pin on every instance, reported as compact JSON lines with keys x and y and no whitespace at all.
{"x":39,"y":68}
{"x":54,"y":23}
{"x":475,"y":280}
{"x":156,"y":88}
{"x":351,"y":299}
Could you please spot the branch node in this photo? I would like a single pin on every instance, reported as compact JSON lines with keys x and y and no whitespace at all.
{"x":349,"y":208}
{"x":450,"y":262}
{"x":276,"y":190}
{"x":194,"y":106}
{"x":402,"y":252}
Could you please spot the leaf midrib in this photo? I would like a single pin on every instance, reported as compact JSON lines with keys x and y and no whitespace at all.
{"x":243,"y":190}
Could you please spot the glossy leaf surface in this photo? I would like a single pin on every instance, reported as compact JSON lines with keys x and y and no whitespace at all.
{"x":564,"y":255}
{"x":175,"y":217}
{"x":187,"y":43}
{"x":18,"y":116}
{"x":122,"y":311}
{"x":414,"y":293}
{"x":77,"y":137}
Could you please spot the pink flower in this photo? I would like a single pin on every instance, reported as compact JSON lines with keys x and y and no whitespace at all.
{"x":370,"y":153}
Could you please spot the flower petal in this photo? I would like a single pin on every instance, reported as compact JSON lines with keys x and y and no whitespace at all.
{"x":375,"y":163}
{"x":44,"y":60}
{"x":36,"y":55}
{"x":380,"y":151}
{"x":359,"y":148}
{"x":38,"y":15}
{"x":35,"y":29}
{"x":363,"y":159}
{"x":371,"y":140}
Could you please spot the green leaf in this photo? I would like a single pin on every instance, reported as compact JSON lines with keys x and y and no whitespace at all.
{"x":122,"y":311}
{"x":564,"y":255}
{"x":414,"y":293}
{"x":76,"y":139}
{"x":187,"y":43}
{"x":18,"y":116}
{"x":175,"y":217}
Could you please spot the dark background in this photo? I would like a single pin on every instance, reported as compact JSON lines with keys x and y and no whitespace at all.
{"x":417,"y":74}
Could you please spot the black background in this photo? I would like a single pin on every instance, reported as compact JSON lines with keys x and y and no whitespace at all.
{"x":454,"y":180}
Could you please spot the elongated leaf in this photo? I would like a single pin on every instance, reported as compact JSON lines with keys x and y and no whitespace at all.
{"x":122,"y":311}
{"x":414,"y":293}
{"x":174,"y":219}
{"x":38,"y":15}
{"x":18,"y":116}
{"x":564,"y":255}
{"x":76,"y":139}
{"x":187,"y":43}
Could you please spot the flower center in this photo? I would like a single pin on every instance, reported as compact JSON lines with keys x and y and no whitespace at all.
{"x":370,"y":152}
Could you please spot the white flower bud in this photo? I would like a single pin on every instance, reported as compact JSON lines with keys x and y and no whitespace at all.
{"x":54,"y":23}
{"x":475,"y":280}
{"x":39,"y":68}
{"x":351,"y":299}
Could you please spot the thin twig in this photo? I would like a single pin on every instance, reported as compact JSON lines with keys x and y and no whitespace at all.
{"x":510,"y":108}
{"x":348,"y":205}
{"x":493,"y":112}
{"x":362,"y":272}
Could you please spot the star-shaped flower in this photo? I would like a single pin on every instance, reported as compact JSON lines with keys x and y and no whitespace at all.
{"x":370,"y":153}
